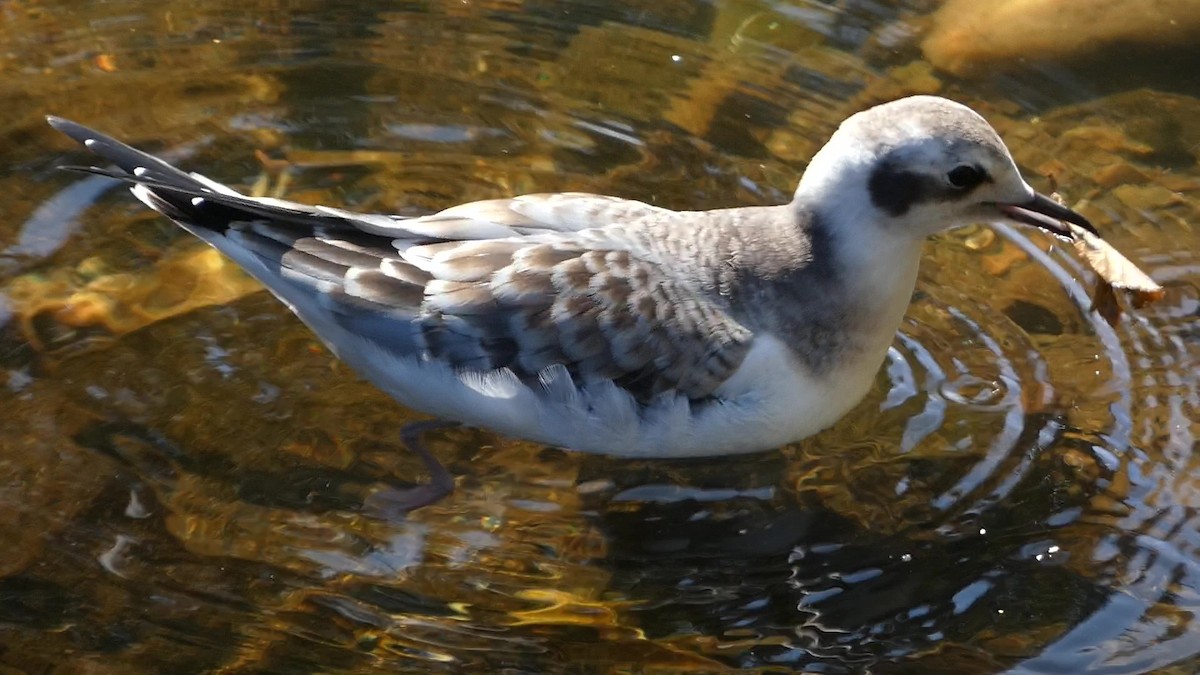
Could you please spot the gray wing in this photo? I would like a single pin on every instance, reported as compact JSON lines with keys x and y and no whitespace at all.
{"x":524,"y":283}
{"x":515,"y":303}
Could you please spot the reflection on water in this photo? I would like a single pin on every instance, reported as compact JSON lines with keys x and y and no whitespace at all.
{"x":183,"y":467}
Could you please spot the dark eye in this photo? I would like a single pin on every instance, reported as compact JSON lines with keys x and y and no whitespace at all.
{"x":965,"y":177}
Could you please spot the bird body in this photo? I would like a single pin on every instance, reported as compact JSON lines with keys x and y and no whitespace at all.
{"x":613,"y":326}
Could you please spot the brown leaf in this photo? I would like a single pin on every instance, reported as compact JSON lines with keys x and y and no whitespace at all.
{"x":1115,"y":272}
{"x":1104,"y":301}
{"x":106,"y":62}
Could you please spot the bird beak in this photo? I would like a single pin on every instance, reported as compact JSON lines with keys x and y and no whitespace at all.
{"x":1044,"y":212}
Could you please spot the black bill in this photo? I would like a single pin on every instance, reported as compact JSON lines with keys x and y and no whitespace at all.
{"x":1044,"y":212}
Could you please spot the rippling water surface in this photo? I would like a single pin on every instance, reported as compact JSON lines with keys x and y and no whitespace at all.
{"x":182,"y":466}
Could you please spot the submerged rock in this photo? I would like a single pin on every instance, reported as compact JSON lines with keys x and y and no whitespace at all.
{"x":969,"y":36}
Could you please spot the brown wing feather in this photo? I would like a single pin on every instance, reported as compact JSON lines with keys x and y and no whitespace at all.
{"x":517,"y":304}
{"x":606,"y":315}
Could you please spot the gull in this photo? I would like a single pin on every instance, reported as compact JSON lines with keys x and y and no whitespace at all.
{"x":612,"y":326}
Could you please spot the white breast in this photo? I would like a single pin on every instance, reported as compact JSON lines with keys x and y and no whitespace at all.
{"x":771,"y":400}
{"x":768,"y":402}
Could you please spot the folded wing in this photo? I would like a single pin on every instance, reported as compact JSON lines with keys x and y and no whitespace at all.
{"x":498,"y":284}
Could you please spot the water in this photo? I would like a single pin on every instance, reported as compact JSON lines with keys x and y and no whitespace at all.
{"x":181,"y":464}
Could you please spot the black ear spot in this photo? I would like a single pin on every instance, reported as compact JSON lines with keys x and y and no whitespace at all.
{"x":895,"y":191}
{"x":965,"y":176}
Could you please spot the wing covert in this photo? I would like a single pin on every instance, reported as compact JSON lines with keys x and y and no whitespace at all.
{"x":524,"y":304}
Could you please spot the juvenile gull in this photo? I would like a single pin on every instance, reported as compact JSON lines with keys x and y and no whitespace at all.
{"x":612,"y":326}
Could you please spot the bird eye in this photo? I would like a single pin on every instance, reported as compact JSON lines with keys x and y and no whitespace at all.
{"x":965,"y":176}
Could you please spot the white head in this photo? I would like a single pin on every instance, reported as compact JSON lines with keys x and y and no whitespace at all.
{"x":920,"y":165}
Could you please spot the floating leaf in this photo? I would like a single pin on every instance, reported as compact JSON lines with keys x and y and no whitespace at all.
{"x":1115,"y":272}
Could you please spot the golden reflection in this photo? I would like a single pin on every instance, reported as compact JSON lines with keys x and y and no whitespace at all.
{"x":122,"y":302}
{"x":185,"y":495}
{"x":562,"y":608}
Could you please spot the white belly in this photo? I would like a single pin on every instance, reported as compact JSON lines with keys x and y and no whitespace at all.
{"x":767,"y":403}
{"x":771,"y":400}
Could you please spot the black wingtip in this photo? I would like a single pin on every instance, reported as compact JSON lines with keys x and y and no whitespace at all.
{"x":178,"y":195}
{"x":132,"y":161}
{"x":76,"y":131}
